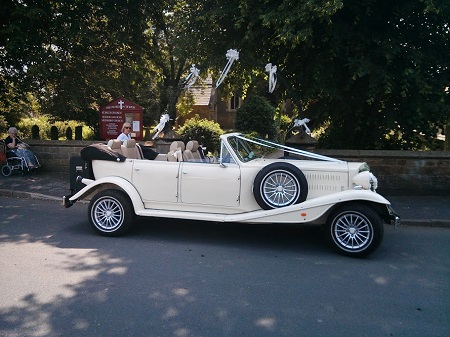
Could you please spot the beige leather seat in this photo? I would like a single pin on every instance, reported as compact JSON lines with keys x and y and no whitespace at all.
{"x":191,"y":153}
{"x":176,"y":151}
{"x":115,"y":145}
{"x":130,"y":149}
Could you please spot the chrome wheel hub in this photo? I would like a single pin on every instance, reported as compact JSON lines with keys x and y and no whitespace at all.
{"x":108,"y":214}
{"x":352,"y":231}
{"x":280,"y":188}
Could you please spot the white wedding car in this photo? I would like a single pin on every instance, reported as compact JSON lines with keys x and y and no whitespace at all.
{"x":252,"y":181}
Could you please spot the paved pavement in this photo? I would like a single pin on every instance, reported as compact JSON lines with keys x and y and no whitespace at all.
{"x":414,"y":210}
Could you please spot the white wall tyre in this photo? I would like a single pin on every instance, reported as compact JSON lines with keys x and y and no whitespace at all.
{"x":279,"y":185}
{"x":111,"y":213}
{"x":355,"y":230}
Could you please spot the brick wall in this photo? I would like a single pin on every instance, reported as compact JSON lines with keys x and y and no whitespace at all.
{"x":398,"y":172}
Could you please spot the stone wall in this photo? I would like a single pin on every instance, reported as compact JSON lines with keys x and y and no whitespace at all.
{"x":398,"y":172}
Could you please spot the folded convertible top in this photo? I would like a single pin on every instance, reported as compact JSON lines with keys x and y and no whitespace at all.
{"x":100,"y":152}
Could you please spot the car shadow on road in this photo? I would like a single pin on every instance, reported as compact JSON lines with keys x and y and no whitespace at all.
{"x":290,"y":237}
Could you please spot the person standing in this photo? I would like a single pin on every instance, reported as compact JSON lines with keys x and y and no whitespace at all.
{"x":126,"y":132}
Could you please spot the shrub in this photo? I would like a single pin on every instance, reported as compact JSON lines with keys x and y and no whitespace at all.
{"x":256,"y":114}
{"x":206,"y":132}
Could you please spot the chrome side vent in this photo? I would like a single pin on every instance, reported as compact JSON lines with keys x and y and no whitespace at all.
{"x":324,"y":182}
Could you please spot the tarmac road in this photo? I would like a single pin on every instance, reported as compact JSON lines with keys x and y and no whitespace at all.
{"x":191,"y":278}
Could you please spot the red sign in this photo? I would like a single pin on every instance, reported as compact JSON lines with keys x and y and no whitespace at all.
{"x":117,"y":112}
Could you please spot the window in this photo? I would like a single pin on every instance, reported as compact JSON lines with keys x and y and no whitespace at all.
{"x":234,"y":102}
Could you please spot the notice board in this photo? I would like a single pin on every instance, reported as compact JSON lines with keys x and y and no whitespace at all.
{"x":115,"y":113}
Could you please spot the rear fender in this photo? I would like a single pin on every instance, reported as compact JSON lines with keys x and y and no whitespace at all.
{"x":112,"y":182}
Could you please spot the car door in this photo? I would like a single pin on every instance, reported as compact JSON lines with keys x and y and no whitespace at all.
{"x":211,"y":184}
{"x":156,"y":181}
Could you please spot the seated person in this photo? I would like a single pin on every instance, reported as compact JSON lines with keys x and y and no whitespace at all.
{"x":17,"y":148}
{"x":126,"y":132}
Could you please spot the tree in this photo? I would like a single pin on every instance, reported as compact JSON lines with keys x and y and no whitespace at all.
{"x":78,"y":55}
{"x":373,"y":71}
{"x":256,"y":114}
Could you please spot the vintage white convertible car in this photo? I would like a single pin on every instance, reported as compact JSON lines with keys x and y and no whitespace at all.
{"x":252,"y":181}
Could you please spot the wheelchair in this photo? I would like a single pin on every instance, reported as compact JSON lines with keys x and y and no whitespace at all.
{"x":13,"y":162}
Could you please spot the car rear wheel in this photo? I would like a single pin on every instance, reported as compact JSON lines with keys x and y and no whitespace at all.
{"x":355,"y":230}
{"x":279,"y":185}
{"x":111,"y":213}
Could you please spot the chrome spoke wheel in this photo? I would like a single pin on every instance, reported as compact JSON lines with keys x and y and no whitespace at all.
{"x":355,"y":229}
{"x":280,"y":188}
{"x":352,"y":231}
{"x":108,"y":214}
{"x":111,"y":213}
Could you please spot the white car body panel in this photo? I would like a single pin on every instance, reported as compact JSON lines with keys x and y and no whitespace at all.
{"x":243,"y":186}
{"x":306,"y":212}
{"x":223,"y":192}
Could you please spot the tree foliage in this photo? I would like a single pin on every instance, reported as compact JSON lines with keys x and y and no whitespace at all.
{"x":256,"y":114}
{"x":206,"y":132}
{"x":372,"y":71}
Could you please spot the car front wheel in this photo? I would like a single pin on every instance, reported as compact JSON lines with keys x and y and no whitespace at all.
{"x":111,"y":213}
{"x":355,"y":230}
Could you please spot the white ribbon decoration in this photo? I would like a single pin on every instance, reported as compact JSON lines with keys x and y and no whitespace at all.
{"x":178,"y":154}
{"x":232,"y":55}
{"x":272,"y":76}
{"x":162,"y":122}
{"x":192,"y":77}
{"x":302,"y":122}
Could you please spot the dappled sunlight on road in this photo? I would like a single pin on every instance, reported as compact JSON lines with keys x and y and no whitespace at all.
{"x":30,"y":305}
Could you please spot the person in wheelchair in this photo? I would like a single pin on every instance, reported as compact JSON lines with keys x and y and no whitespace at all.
{"x":17,"y":148}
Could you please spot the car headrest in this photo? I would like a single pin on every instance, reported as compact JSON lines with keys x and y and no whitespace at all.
{"x":129,"y":143}
{"x":177,"y":144}
{"x":192,"y":145}
{"x":114,"y":144}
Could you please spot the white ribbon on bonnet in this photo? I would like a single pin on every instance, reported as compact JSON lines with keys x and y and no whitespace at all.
{"x":162,"y":122}
{"x":232,"y":55}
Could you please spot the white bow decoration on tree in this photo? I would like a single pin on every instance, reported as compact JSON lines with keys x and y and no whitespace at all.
{"x":232,"y":55}
{"x":162,"y":123}
{"x":192,"y":77}
{"x":302,"y":122}
{"x":272,"y":76}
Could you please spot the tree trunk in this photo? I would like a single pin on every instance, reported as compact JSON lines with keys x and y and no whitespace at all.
{"x":447,"y":135}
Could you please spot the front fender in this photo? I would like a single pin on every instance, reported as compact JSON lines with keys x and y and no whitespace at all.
{"x":309,"y":210}
{"x":121,"y":183}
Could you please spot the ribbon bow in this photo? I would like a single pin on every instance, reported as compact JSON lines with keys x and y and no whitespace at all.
{"x":178,"y":154}
{"x":192,"y":77}
{"x":162,"y":123}
{"x":272,"y":76}
{"x":302,"y":122}
{"x":232,"y":55}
